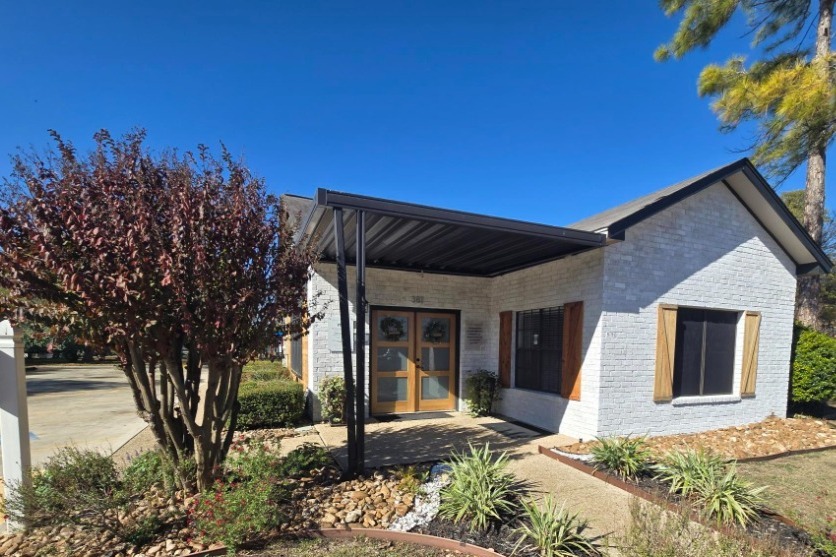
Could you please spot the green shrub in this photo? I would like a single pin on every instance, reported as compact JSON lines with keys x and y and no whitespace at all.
{"x":279,"y":404}
{"x":481,"y":491}
{"x":728,"y":498}
{"x":70,"y":487}
{"x":265,"y":370}
{"x":481,"y":391}
{"x":554,"y":531}
{"x":685,"y":470}
{"x":410,"y":478}
{"x":303,"y":459}
{"x":332,"y":394}
{"x":233,"y":512}
{"x":84,"y":488}
{"x":626,"y":456}
{"x":144,"y":471}
{"x":813,"y":366}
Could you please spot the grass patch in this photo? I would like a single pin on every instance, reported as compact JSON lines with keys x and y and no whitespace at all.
{"x":800,"y":487}
{"x":358,"y":547}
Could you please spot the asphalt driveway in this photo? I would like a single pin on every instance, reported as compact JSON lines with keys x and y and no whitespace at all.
{"x":88,"y":406}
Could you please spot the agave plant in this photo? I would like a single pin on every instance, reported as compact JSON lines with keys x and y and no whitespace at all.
{"x":626,"y":456}
{"x":684,"y":470}
{"x":554,"y":532}
{"x":728,"y":498}
{"x":481,"y":491}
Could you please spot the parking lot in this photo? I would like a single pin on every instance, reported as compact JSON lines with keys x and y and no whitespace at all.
{"x":88,"y":406}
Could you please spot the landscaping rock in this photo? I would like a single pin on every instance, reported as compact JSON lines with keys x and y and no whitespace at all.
{"x":768,"y":437}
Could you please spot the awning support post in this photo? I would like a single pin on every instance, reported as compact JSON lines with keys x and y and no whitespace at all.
{"x":360,"y":349}
{"x":345,"y":328}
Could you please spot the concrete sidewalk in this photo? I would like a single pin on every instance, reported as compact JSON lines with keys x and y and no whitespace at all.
{"x":414,"y":439}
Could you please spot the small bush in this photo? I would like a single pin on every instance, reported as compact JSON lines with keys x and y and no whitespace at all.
{"x":332,"y":394}
{"x":84,"y":488}
{"x":265,"y":370}
{"x":279,"y":404}
{"x":684,"y":471}
{"x":410,"y":478}
{"x":144,"y":472}
{"x":626,"y":456}
{"x":554,"y":531}
{"x":728,"y":498}
{"x":232,"y":513}
{"x":813,"y":365}
{"x":481,"y":391}
{"x":303,"y":459}
{"x":481,"y":491}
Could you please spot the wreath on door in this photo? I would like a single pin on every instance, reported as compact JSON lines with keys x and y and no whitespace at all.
{"x":435,"y":330}
{"x":392,"y":328}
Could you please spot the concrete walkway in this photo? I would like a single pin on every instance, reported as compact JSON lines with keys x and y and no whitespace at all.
{"x":417,"y":439}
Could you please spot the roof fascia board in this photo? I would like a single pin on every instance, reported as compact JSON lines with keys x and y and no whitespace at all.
{"x":618,"y":228}
{"x":327,"y":198}
{"x":787,"y":217}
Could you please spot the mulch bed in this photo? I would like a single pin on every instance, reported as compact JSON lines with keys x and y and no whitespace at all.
{"x":772,"y":436}
{"x":501,"y":539}
{"x":770,"y":528}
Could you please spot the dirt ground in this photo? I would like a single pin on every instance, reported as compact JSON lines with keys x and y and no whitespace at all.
{"x":769,"y":437}
{"x":359,"y":547}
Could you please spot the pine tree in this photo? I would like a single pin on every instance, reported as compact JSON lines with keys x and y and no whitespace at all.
{"x":789,"y":92}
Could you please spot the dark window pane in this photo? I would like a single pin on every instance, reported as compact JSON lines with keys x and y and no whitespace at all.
{"x":720,"y":330}
{"x":688,"y":359}
{"x":704,"y":360}
{"x":296,"y":355}
{"x":539,"y":343}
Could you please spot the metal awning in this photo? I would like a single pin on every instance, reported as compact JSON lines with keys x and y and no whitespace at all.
{"x":419,"y":238}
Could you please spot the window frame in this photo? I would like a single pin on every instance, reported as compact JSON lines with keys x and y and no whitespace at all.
{"x":541,"y":351}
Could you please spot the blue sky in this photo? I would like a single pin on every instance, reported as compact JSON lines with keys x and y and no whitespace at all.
{"x":540,"y":110}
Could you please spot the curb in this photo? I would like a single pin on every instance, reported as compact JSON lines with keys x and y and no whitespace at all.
{"x":388,"y":535}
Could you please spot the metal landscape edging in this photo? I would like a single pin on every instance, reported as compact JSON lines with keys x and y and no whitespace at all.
{"x":388,"y":535}
{"x":638,"y":491}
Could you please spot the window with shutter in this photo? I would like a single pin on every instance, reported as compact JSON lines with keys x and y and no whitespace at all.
{"x":539,"y":342}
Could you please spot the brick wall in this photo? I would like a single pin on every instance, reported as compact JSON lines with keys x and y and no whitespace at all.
{"x":706,"y":251}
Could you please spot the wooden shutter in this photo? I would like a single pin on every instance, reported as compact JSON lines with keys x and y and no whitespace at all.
{"x":506,"y":324}
{"x":751,"y":334}
{"x":665,"y":351}
{"x":572,"y":350}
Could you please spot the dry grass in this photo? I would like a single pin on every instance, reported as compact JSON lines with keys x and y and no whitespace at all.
{"x":358,"y":547}
{"x":801,"y":487}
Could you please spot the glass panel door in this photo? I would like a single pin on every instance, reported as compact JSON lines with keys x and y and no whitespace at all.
{"x":436,"y":363}
{"x":392,"y":361}
{"x":413,"y":361}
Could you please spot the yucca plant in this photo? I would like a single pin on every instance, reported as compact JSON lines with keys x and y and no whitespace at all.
{"x":626,"y":456}
{"x":728,"y":498}
{"x":683,"y":470}
{"x":481,"y":491}
{"x":553,"y":531}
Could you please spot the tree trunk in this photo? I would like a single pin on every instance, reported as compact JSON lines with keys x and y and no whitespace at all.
{"x":808,"y":296}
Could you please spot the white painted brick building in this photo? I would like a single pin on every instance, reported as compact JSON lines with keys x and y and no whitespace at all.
{"x":672,"y":313}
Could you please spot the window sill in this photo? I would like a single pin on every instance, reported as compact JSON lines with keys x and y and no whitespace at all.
{"x":710,"y":399}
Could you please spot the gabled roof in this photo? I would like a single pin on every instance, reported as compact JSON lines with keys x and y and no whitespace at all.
{"x":747,"y":185}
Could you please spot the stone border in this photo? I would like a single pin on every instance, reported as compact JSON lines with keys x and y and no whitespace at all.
{"x":637,"y":491}
{"x":388,"y":535}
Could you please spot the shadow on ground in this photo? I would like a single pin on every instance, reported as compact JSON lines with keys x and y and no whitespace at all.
{"x":417,"y":441}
